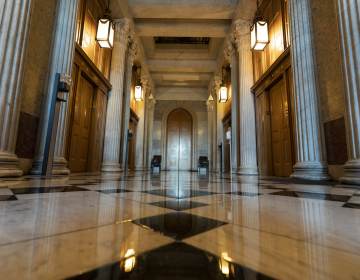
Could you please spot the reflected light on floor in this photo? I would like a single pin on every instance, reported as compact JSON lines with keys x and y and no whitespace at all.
{"x":129,"y":261}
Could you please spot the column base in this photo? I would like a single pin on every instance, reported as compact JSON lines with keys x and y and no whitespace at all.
{"x":352,"y":173}
{"x":310,"y":171}
{"x":248,"y":171}
{"x":59,"y":167}
{"x":9,"y":165}
{"x":111,"y":167}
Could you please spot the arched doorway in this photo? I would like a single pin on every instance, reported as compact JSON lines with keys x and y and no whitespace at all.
{"x":179,"y":135}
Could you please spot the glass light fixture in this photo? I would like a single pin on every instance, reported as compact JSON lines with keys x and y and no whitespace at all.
{"x":259,"y":33}
{"x":129,"y":260}
{"x":138,"y":95}
{"x":106,"y":31}
{"x":223,"y":93}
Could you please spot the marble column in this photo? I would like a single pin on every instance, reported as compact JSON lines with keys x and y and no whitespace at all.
{"x":131,"y":54}
{"x":247,"y":164}
{"x":150,"y":121}
{"x":111,"y":157}
{"x":61,"y":61}
{"x":310,"y":160}
{"x":140,"y":129}
{"x":210,"y":120}
{"x":231,"y":55}
{"x":14,"y":27}
{"x":349,"y":23}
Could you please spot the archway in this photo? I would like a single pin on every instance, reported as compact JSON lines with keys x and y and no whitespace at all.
{"x":179,"y":140}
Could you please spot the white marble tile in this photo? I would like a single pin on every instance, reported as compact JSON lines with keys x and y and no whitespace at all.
{"x":34,"y":218}
{"x":70,"y":254}
{"x":278,"y":256}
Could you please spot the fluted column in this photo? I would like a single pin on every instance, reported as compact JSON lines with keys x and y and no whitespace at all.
{"x":247,"y":126}
{"x":349,"y":23}
{"x":61,"y":61}
{"x":131,"y":54}
{"x":14,"y":26}
{"x":140,"y":130}
{"x":211,"y":127}
{"x":111,"y":158}
{"x":311,"y":162}
{"x":150,"y":121}
{"x":231,"y":55}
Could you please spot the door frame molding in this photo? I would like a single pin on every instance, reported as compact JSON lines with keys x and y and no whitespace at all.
{"x":194,"y":145}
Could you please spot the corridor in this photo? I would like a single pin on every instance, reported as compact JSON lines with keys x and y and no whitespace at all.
{"x":177,"y":226}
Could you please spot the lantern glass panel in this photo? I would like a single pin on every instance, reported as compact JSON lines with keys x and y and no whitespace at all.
{"x":262,"y":32}
{"x":138,"y":93}
{"x":105,"y":33}
{"x":223,"y":94}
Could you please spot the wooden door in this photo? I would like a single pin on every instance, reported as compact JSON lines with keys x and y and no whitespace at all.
{"x":280,"y":130}
{"x":179,"y":133}
{"x":81,"y":126}
{"x":132,"y":145}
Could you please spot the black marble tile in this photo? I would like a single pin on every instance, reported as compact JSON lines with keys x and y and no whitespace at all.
{"x":7,"y":197}
{"x":113,"y":191}
{"x":174,"y":261}
{"x":250,"y":194}
{"x":178,"y":193}
{"x":19,"y":191}
{"x":320,"y":196}
{"x":178,"y":205}
{"x":352,"y":205}
{"x":179,"y":225}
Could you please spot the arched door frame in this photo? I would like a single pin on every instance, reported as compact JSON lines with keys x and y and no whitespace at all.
{"x":194,"y":146}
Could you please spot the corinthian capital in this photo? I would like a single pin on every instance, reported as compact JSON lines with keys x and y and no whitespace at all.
{"x":241,"y":33}
{"x":122,"y":29}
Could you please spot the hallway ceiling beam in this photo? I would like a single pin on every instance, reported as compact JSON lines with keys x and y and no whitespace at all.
{"x":181,"y":28}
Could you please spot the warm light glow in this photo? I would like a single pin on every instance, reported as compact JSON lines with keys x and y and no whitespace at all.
{"x":259,"y":35}
{"x":138,"y":93}
{"x":129,"y":260}
{"x":224,"y":264}
{"x":223,"y":94}
{"x":105,"y":33}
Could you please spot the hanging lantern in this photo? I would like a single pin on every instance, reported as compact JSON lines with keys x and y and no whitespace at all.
{"x":138,"y":95}
{"x":223,"y":93}
{"x":259,"y":32}
{"x":259,"y":35}
{"x":106,"y":31}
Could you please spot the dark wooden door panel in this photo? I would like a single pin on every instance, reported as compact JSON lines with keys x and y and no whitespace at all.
{"x":179,"y":132}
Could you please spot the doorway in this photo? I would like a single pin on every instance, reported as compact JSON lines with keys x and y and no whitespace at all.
{"x":280,"y":130}
{"x":179,"y":143}
{"x":81,"y":126}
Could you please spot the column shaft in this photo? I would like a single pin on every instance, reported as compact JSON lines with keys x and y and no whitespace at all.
{"x":111,"y":158}
{"x":247,"y":125}
{"x":349,"y":23}
{"x":62,"y":56}
{"x":14,"y":27}
{"x":127,"y":93}
{"x":309,"y":135}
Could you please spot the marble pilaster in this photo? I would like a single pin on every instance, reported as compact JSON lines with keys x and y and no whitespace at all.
{"x":211,"y":127}
{"x":140,"y":130}
{"x":150,"y":122}
{"x":14,"y":27}
{"x":111,"y":157}
{"x":61,"y":61}
{"x":349,"y":23}
{"x":310,"y":162}
{"x":131,"y":54}
{"x":247,"y":163}
{"x":231,"y":55}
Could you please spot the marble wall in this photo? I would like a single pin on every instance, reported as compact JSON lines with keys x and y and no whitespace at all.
{"x":197,"y":109}
{"x":330,"y":77}
{"x":35,"y":76}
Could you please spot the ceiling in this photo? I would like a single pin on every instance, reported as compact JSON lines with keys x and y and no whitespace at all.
{"x":182,"y":40}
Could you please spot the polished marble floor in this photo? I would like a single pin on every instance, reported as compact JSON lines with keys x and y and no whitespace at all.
{"x":177,"y":226}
